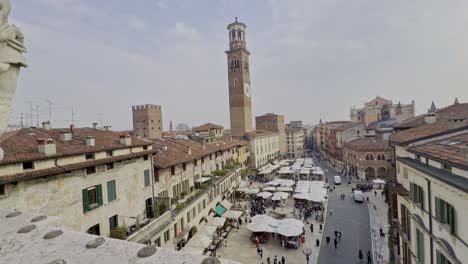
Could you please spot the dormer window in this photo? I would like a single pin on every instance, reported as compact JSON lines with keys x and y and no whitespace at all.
{"x":89,"y":156}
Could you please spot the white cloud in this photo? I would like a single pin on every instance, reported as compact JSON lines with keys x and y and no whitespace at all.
{"x":184,"y":31}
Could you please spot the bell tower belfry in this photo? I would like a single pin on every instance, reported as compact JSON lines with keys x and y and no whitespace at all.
{"x":240,"y":104}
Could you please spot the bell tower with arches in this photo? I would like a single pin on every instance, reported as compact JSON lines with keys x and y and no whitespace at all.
{"x":240,"y":103}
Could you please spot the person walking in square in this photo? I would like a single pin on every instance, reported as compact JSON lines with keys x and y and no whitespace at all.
{"x":268,"y":260}
{"x":328,"y":240}
{"x":335,"y":242}
{"x":360,"y":256}
{"x":336,"y":233}
{"x":339,"y":235}
{"x":275,"y":261}
{"x":261,"y":252}
{"x":369,"y":257}
{"x":283,"y":260}
{"x":311,"y":228}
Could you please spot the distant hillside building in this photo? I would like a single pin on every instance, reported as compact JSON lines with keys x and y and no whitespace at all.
{"x":380,"y":108}
{"x":147,"y":121}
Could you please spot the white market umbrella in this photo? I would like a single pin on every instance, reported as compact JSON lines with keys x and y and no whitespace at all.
{"x":378,"y":181}
{"x":282,"y":195}
{"x":232,"y":214}
{"x":292,"y":222}
{"x":260,"y":227}
{"x":207,"y":230}
{"x":284,"y":189}
{"x":265,"y":195}
{"x":274,"y":223}
{"x":269,"y":188}
{"x":261,"y":218}
{"x":289,"y":230}
{"x":199,"y":241}
{"x":272,"y":183}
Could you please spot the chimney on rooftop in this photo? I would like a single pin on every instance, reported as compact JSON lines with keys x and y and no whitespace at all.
{"x":46,"y":125}
{"x":125,"y":140}
{"x":90,"y":141}
{"x":430,"y":118}
{"x":164,"y":147}
{"x":107,"y":128}
{"x":95,"y":125}
{"x":204,"y":146}
{"x":189,"y":150}
{"x":65,"y":135}
{"x":454,"y":123}
{"x":46,"y":146}
{"x":72,"y":126}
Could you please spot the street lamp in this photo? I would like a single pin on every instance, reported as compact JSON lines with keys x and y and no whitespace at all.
{"x":307,"y":252}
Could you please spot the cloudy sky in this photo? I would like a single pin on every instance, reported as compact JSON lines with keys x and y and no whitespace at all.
{"x":310,"y":59}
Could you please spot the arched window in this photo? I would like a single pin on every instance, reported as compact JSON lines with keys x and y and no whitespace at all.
{"x":367,"y":157}
{"x":383,"y":157}
{"x":371,"y":157}
{"x":378,"y":157}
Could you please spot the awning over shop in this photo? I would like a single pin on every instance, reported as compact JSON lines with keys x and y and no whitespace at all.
{"x":232,"y":214}
{"x":203,"y":179}
{"x":199,"y":241}
{"x":220,"y":210}
{"x":217,"y":221}
{"x":226,"y":204}
{"x":207,"y":230}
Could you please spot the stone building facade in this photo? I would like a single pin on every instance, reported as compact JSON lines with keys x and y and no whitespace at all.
{"x":369,"y":158}
{"x":347,"y":133}
{"x":380,"y":108}
{"x":93,"y":180}
{"x":147,"y":121}
{"x":264,"y":147}
{"x":274,"y":123}
{"x":295,"y":141}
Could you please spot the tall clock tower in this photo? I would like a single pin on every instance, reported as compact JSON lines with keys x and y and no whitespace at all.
{"x":240,"y":104}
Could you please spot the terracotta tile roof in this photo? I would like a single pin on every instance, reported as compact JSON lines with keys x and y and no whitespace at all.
{"x":337,"y":122}
{"x":348,"y":126}
{"x":401,"y":190}
{"x":453,"y":150}
{"x":207,"y":126}
{"x":66,"y":168}
{"x":368,"y":144}
{"x":177,"y":150}
{"x":21,"y":145}
{"x":259,"y":133}
{"x":445,"y":113}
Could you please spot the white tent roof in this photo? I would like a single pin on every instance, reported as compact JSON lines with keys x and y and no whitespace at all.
{"x":378,"y":181}
{"x":248,"y":190}
{"x":280,"y":195}
{"x":269,"y":188}
{"x":272,"y":183}
{"x":262,"y":218}
{"x":199,"y":241}
{"x":197,"y":251}
{"x":260,"y":227}
{"x":284,"y":189}
{"x":202,"y":179}
{"x":265,"y":195}
{"x":289,"y":230}
{"x":305,"y":171}
{"x":226,"y":204}
{"x":207,"y":230}
{"x":284,"y":182}
{"x":232,"y":214}
{"x":217,"y":221}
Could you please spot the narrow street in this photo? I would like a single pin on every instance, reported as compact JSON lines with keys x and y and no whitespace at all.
{"x":349,"y":217}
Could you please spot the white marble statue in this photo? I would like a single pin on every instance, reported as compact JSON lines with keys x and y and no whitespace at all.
{"x":11,"y":60}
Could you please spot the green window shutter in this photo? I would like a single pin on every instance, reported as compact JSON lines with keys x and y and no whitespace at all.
{"x":421,"y":197}
{"x":438,"y":257}
{"x":99,"y":193}
{"x":85,"y":200}
{"x":452,"y":219}
{"x":412,"y":193}
{"x":437,"y":209}
{"x":420,"y":241}
{"x":147,"y":178}
{"x":111,"y":191}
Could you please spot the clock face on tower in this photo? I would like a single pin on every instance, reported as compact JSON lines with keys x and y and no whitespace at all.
{"x":247,"y":89}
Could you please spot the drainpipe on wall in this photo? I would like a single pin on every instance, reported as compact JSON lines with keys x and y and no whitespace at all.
{"x":431,"y":241}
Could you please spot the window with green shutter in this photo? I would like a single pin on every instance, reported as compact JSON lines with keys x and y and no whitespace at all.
{"x":417,"y":195}
{"x":147,"y":178}
{"x":111,"y":191}
{"x":92,"y":197}
{"x":420,"y":244}
{"x":445,"y":214}
{"x":441,"y":259}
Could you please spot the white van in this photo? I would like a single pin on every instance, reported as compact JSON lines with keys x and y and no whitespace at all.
{"x":337,"y":180}
{"x":358,"y":196}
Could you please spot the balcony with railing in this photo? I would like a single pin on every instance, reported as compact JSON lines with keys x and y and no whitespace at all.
{"x":155,"y":226}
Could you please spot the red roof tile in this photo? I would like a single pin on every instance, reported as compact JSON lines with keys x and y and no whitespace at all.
{"x":445,"y":113}
{"x":207,"y":126}
{"x":368,"y":144}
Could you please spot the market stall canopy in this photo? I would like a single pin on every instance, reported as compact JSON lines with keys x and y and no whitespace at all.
{"x":248,"y":190}
{"x":284,"y":182}
{"x":262,"y":218}
{"x":282,"y":211}
{"x":207,"y":230}
{"x":292,"y":222}
{"x":217,"y":221}
{"x":197,"y":251}
{"x":279,"y":196}
{"x":305,"y":171}
{"x":202,"y":179}
{"x":378,"y":181}
{"x":199,"y":241}
{"x":310,"y":197}
{"x":269,"y":188}
{"x":220,"y":210}
{"x":233,"y":214}
{"x":272,"y":183}
{"x":289,"y":230}
{"x":260,"y":227}
{"x":265,"y":195}
{"x":226,"y":204}
{"x":284,"y":189}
